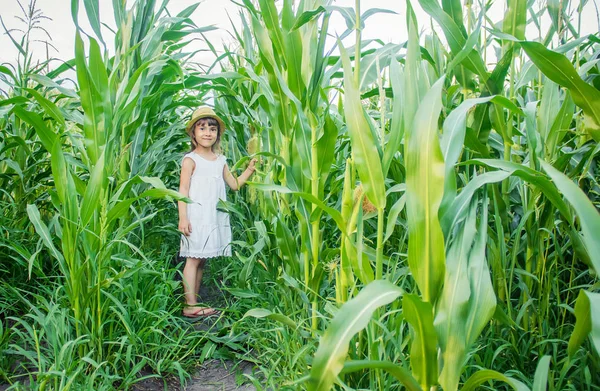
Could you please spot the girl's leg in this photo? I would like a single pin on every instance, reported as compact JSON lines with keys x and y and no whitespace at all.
{"x":199,"y":274}
{"x":190,"y":272}
{"x":192,"y":276}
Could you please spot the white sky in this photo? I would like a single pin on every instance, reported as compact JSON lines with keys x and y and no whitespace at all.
{"x":387,"y":27}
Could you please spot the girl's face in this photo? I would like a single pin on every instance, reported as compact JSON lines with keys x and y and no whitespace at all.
{"x":205,"y":134}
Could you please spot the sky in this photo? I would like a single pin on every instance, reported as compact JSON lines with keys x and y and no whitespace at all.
{"x":387,"y":27}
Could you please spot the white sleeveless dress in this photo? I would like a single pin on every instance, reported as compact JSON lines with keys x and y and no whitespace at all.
{"x":211,"y":231}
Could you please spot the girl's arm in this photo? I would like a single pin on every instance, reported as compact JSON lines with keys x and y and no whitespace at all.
{"x":235,"y":183}
{"x":184,"y":188}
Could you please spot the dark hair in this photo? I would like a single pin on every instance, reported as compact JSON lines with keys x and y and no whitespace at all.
{"x":210,"y":122}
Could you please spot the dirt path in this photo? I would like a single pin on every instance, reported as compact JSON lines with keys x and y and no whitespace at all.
{"x":215,"y":375}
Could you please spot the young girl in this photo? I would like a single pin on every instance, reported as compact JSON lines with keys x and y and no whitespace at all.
{"x":206,"y":230}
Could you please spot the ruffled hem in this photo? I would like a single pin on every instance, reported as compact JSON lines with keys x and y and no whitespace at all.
{"x":215,"y":254}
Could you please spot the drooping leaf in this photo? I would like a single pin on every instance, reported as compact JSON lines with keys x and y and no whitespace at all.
{"x":587,"y":313}
{"x":260,"y":313}
{"x":589,"y":217}
{"x":560,"y":70}
{"x":352,"y":317}
{"x":485,"y":375}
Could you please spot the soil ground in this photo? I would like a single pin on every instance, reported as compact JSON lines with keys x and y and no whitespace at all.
{"x":213,"y":375}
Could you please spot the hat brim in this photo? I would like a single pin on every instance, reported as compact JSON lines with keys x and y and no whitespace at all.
{"x":192,"y":121}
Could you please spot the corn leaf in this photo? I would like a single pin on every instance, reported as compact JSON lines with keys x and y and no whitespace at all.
{"x":485,"y":375}
{"x":351,"y":318}
{"x":424,"y":190}
{"x":260,"y":313}
{"x":42,"y":231}
{"x":587,"y":313}
{"x":453,"y":308}
{"x":93,"y":191}
{"x":560,"y":70}
{"x":46,"y":135}
{"x":423,"y":349}
{"x":589,"y":217}
{"x":364,"y":150}
{"x":540,"y":380}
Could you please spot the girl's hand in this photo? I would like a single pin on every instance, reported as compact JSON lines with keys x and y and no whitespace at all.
{"x":252,"y":164}
{"x":185,"y":227}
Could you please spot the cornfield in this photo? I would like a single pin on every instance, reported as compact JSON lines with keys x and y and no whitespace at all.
{"x":425,"y":216}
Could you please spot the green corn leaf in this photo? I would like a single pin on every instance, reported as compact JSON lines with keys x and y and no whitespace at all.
{"x":397,"y":125}
{"x":49,"y":107}
{"x":587,"y":313}
{"x":549,"y":190}
{"x":92,"y":9}
{"x":42,"y":231}
{"x":352,"y":317}
{"x":7,"y":32}
{"x":99,"y":77}
{"x":482,"y":303}
{"x":532,"y":176}
{"x":93,"y":191}
{"x":560,"y":70}
{"x":423,"y":350}
{"x":47,"y":82}
{"x":46,"y":135}
{"x":326,"y":148}
{"x":334,"y":214}
{"x":287,"y":245}
{"x":457,"y":209}
{"x":308,"y":16}
{"x":549,"y":107}
{"x":393,"y":216}
{"x":90,"y":102}
{"x":469,"y":44}
{"x":589,"y":217}
{"x":119,"y":208}
{"x":271,"y":19}
{"x":372,"y":11}
{"x":453,"y":307}
{"x":64,"y":183}
{"x":364,"y":150}
{"x":260,"y":313}
{"x":424,"y":190}
{"x":540,"y":380}
{"x":15,"y":100}
{"x":455,"y":37}
{"x":485,"y":375}
{"x":368,"y":64}
{"x":515,"y":19}
{"x":8,"y":72}
{"x":588,"y":214}
{"x":560,"y":126}
{"x":415,"y":86}
{"x":451,"y":143}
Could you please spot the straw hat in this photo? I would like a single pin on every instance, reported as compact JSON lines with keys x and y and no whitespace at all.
{"x":204,"y":112}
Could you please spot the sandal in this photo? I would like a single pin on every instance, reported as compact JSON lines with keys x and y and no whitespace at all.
{"x":201,"y":312}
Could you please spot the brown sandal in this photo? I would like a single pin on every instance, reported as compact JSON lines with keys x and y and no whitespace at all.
{"x":201,"y":312}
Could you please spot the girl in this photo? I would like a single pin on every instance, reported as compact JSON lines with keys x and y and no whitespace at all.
{"x":206,"y":231}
